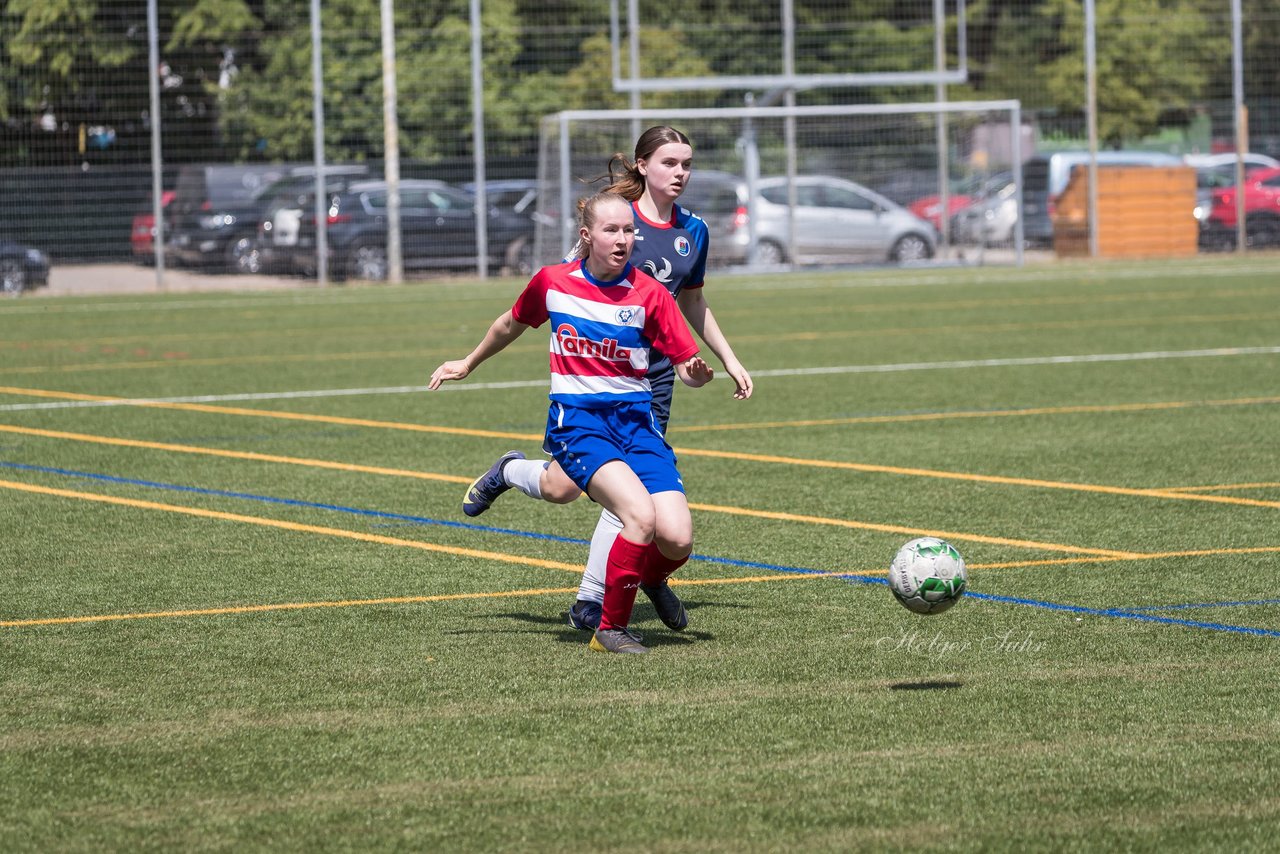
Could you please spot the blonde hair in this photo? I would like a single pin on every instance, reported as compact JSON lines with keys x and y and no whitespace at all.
{"x":624,"y":175}
{"x":587,"y":207}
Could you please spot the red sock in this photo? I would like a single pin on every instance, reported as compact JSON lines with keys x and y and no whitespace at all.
{"x":621,"y":581}
{"x":658,"y":567}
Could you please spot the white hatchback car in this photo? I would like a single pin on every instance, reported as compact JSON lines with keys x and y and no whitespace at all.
{"x":835,"y":220}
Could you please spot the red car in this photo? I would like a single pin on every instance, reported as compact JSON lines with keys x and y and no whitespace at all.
{"x":1261,"y":208}
{"x":968,"y":193}
{"x":142,"y":236}
{"x":929,"y":208}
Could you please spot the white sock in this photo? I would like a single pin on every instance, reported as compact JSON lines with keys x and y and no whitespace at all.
{"x":525,"y":475}
{"x":607,"y":530}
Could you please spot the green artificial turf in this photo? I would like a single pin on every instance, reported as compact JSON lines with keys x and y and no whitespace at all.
{"x":375,"y":671}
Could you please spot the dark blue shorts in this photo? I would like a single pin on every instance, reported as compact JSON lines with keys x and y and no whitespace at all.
{"x":583,"y":440}
{"x":663,"y":385}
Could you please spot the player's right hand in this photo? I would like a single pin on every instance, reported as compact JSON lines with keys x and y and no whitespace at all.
{"x":456,"y":370}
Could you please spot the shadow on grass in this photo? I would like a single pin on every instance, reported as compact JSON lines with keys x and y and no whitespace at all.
{"x":926,"y":685}
{"x":645,"y":621}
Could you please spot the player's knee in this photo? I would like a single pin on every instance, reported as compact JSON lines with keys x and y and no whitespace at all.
{"x":556,"y":486}
{"x":641,"y":523}
{"x":677,"y":547}
{"x":674,"y":532}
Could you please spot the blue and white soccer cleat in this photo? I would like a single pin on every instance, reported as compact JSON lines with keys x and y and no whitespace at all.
{"x":488,"y":486}
{"x":585,"y":614}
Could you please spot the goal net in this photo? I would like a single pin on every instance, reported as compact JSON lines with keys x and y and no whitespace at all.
{"x":792,"y":186}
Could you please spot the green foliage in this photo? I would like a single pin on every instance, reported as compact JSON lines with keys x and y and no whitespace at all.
{"x":86,"y":61}
{"x":1149,"y":59}
{"x":212,"y":21}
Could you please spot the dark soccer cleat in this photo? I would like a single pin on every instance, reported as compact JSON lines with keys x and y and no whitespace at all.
{"x":585,"y":614}
{"x":488,"y":486}
{"x":617,"y":640}
{"x":668,"y":605}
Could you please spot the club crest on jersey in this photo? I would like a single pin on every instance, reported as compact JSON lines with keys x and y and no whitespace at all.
{"x":576,"y":345}
{"x":682,"y":246}
{"x":625,"y":315}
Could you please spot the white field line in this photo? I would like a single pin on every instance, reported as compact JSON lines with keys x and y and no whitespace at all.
{"x":779,"y":372}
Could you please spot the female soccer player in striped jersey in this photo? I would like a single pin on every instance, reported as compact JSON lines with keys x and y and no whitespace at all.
{"x":671,"y":245}
{"x":607,"y":318}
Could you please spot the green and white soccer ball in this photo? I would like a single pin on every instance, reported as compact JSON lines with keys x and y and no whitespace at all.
{"x":927,"y":575}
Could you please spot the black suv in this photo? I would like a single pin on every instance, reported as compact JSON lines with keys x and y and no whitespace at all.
{"x":437,"y":230}
{"x":214,"y":218}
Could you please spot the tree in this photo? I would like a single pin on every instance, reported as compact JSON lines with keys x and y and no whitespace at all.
{"x":73,"y":64}
{"x":1152,"y":55}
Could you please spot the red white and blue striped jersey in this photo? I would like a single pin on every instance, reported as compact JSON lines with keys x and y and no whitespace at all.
{"x":601,"y":332}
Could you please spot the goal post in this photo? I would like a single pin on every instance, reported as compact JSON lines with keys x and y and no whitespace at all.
{"x":891,"y":150}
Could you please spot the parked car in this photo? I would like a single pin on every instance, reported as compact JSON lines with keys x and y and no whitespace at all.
{"x":965,"y":192}
{"x":217,"y":211}
{"x":1219,"y":168}
{"x":21,"y":268}
{"x":283,"y":204}
{"x":212,"y":219}
{"x":1261,"y":212}
{"x":835,"y":220}
{"x":992,"y":216}
{"x":519,"y":197}
{"x":142,"y":235}
{"x":1218,"y":172}
{"x":720,"y":200}
{"x":437,"y":230}
{"x":1045,"y":176}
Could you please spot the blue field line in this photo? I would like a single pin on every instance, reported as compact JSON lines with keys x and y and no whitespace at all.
{"x":1127,"y":614}
{"x":1114,"y":613}
{"x":1206,"y":605}
{"x":375,"y":514}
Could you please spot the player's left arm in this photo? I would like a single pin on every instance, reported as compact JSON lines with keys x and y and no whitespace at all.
{"x":502,"y":332}
{"x":695,"y":309}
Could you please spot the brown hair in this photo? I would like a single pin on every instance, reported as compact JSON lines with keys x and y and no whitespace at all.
{"x":624,"y":175}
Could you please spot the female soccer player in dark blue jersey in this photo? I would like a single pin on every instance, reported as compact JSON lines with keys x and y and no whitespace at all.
{"x":671,"y":246}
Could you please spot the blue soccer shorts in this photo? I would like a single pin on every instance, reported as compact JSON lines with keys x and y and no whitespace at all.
{"x":583,"y":440}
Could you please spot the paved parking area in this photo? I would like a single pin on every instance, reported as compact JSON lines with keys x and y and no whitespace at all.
{"x":104,"y":279}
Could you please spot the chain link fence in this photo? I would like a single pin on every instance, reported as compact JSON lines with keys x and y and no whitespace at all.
{"x":236,"y":114}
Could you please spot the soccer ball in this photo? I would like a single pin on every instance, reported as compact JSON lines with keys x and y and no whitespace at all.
{"x":927,"y":575}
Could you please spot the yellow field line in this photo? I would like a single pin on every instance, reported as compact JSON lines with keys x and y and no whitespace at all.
{"x":1222,"y":487}
{"x":509,"y":594}
{"x":353,"y":467}
{"x":978,"y":413}
{"x":237,"y":455}
{"x":898,"y":529}
{"x":221,"y":360}
{"x":809,"y":307}
{"x":992,"y":328}
{"x":282,"y":606}
{"x":293,"y":526}
{"x":287,"y":416}
{"x":213,"y":361}
{"x":690,"y":452}
{"x":976,"y":478}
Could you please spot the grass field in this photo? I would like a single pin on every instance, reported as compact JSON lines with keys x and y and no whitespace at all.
{"x":243,"y":610}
